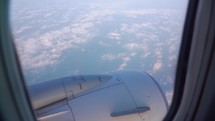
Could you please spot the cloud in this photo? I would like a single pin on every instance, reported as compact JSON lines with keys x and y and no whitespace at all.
{"x":133,"y":54}
{"x":114,"y":35}
{"x":158,"y":53}
{"x":111,"y":56}
{"x":172,"y":48}
{"x":146,"y":37}
{"x":165,"y":12}
{"x":46,"y":45}
{"x":144,"y":31}
{"x":172,"y":58}
{"x":124,"y":57}
{"x":108,"y":57}
{"x":165,"y":29}
{"x":132,"y":46}
{"x":125,"y":61}
{"x":22,"y":29}
{"x":47,"y":48}
{"x":134,"y":13}
{"x":157,"y":66}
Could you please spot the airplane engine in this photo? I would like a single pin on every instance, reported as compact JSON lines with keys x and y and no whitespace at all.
{"x":126,"y":95}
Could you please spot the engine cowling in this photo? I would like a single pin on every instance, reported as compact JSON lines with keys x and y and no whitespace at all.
{"x":126,"y":95}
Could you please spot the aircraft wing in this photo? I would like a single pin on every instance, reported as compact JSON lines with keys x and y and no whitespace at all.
{"x":115,"y":96}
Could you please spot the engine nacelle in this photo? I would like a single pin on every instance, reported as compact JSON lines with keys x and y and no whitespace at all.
{"x":116,"y":96}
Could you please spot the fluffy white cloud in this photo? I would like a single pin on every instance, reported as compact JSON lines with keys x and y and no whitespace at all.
{"x":125,"y":61}
{"x":39,"y":50}
{"x":157,"y":66}
{"x":114,"y":35}
{"x":124,"y":57}
{"x":50,"y":45}
{"x":44,"y":45}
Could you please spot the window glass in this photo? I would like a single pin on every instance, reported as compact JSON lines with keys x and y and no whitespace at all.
{"x":59,"y":38}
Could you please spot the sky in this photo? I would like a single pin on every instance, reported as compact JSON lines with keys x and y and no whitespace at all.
{"x":57,"y":38}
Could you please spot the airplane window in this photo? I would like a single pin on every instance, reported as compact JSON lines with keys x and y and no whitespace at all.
{"x":99,"y":60}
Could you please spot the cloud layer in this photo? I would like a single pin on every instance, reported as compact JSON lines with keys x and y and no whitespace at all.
{"x":146,"y":39}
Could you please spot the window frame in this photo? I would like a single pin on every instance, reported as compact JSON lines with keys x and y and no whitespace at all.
{"x":183,"y":58}
{"x":14,"y":101}
{"x":20,"y":109}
